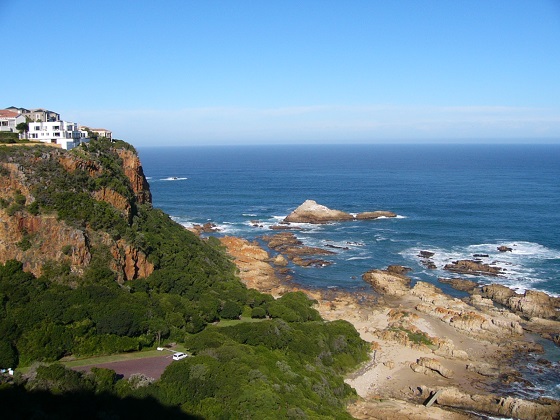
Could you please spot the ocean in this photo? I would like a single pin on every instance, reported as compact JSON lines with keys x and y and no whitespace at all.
{"x":452,"y":200}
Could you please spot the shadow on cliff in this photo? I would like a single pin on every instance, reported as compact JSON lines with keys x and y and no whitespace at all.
{"x":17,"y":403}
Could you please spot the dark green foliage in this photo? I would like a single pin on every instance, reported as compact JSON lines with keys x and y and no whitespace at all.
{"x":57,"y":378}
{"x":33,"y":208}
{"x":293,"y":307}
{"x":8,"y":355}
{"x":259,"y":368}
{"x":22,"y":127}
{"x":258,"y":312}
{"x":8,"y":137}
{"x":231,"y":310}
{"x":104,"y":379}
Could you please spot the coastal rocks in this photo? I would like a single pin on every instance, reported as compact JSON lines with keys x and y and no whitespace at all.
{"x":372,"y":215}
{"x":484,"y":369}
{"x":393,"y":409}
{"x":205,"y":228}
{"x":446,"y":348}
{"x":428,"y":364}
{"x":460,"y":284}
{"x":253,"y":264}
{"x":310,"y":262}
{"x":280,"y":261}
{"x":473,"y":267}
{"x":503,"y":248}
{"x":387,"y":282}
{"x":312,"y":212}
{"x":287,"y":244}
{"x":425,"y":259}
{"x":462,"y":316}
{"x":518,"y":408}
{"x":426,"y":254}
{"x":531,"y":304}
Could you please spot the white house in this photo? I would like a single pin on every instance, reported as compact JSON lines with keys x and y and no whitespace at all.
{"x":102,"y":132}
{"x":9,"y":120}
{"x":63,"y":133}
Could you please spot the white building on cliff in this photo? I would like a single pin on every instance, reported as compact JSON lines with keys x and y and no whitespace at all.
{"x":62,"y":133}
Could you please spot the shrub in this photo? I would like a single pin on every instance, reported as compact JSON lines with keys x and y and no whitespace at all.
{"x":231,"y":310}
{"x":258,"y":312}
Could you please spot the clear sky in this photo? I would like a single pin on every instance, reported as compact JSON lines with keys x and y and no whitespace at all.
{"x":186,"y":72}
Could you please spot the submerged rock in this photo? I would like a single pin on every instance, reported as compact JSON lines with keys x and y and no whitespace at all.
{"x":503,"y":248}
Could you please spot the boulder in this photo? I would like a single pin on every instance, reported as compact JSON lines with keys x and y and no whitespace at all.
{"x":435,"y":366}
{"x":311,"y":212}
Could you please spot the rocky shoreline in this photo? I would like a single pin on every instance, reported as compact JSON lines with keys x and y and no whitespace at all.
{"x":424,"y":343}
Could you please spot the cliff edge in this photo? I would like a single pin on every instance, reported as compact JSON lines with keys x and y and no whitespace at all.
{"x":56,"y":206}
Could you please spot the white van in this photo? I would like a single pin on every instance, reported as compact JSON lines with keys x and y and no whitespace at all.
{"x":179,"y":356}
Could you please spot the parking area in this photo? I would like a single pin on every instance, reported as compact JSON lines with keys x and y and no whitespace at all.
{"x":152,"y":367}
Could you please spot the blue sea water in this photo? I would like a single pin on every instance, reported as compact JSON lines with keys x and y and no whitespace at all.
{"x":453,"y":200}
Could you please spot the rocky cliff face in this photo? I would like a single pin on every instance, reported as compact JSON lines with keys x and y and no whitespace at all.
{"x":135,"y":173}
{"x":36,"y":237}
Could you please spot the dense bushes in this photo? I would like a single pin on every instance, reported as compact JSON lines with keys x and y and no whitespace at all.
{"x":272,"y":368}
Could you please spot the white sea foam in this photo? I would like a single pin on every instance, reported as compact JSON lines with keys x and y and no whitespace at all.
{"x":249,"y":215}
{"x":358,"y":258}
{"x":401,"y":217}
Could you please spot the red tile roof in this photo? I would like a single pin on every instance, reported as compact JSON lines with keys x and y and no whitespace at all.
{"x":4,"y":113}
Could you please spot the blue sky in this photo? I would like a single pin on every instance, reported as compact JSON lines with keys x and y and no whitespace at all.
{"x":184,"y":72}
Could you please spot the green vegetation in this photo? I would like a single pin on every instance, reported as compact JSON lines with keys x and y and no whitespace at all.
{"x":8,"y":137}
{"x":277,"y":358}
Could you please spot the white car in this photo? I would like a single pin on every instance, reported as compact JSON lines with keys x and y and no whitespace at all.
{"x":179,"y":356}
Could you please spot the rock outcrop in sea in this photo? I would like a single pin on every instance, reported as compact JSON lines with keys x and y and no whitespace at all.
{"x":312,"y":212}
